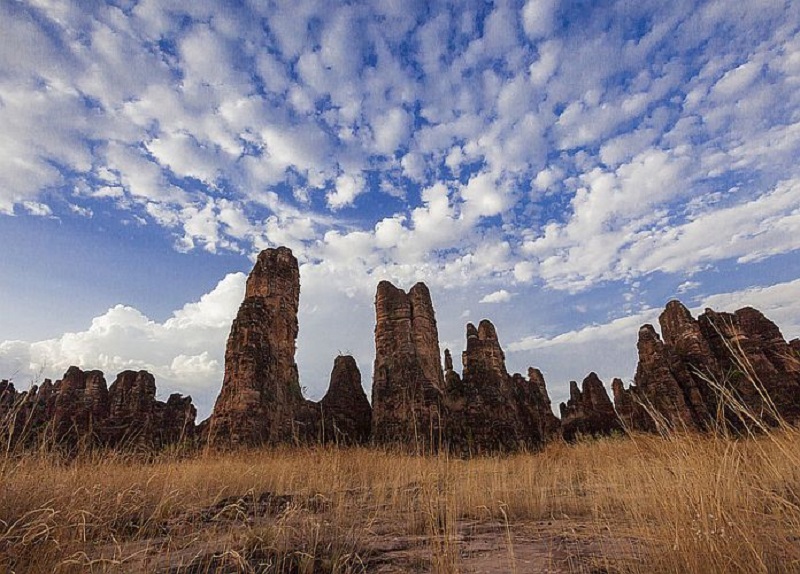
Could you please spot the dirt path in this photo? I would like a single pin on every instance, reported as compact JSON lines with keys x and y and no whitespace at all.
{"x":274,"y":534}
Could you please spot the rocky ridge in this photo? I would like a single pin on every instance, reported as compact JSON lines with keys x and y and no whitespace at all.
{"x":80,"y":411}
{"x":694,"y":376}
{"x":707,"y":371}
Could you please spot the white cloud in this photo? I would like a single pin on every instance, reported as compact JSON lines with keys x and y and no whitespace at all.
{"x":570,"y":151}
{"x":687,"y":286}
{"x":500,"y":296}
{"x":538,"y":18}
{"x":185,"y":352}
{"x":391,"y":131}
{"x":348,"y":187}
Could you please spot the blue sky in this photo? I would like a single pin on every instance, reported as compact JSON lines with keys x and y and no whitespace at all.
{"x":562,"y":168}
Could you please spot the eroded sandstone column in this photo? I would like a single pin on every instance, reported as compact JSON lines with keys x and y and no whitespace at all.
{"x":407,"y":378}
{"x":261,"y":390}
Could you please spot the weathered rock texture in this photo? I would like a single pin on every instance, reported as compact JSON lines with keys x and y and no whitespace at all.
{"x":344,"y":415}
{"x":416,"y":404}
{"x":137,"y":418}
{"x":407,"y":377}
{"x":706,"y":370}
{"x":261,"y":401}
{"x":81,"y":411}
{"x":486,"y":408}
{"x":589,"y":411}
{"x":260,"y":397}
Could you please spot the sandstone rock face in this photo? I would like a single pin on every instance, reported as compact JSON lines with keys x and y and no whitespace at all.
{"x":482,"y":414}
{"x":80,"y":411}
{"x":407,"y":377}
{"x":534,"y":401}
{"x":260,"y":396}
{"x":794,"y":344}
{"x":417,"y":404}
{"x":630,"y":411}
{"x":344,"y":410}
{"x":694,"y":379}
{"x":81,"y":406}
{"x":588,"y":411}
{"x":138,"y":419}
{"x":754,"y":363}
{"x":486,"y":408}
{"x":659,"y":375}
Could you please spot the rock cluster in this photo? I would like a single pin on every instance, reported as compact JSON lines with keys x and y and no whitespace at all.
{"x":710,"y":370}
{"x":698,"y":374}
{"x":261,"y":401}
{"x":417,"y":403}
{"x":79,"y":411}
{"x":588,"y":411}
{"x":487,"y":409}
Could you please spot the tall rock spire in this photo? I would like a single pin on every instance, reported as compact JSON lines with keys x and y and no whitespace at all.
{"x":408,"y":377}
{"x":261,"y":390}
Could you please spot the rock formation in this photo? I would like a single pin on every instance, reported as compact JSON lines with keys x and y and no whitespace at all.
{"x":486,"y":408}
{"x":407,"y":376}
{"x":588,"y":411}
{"x":754,"y":364}
{"x":260,"y":397}
{"x":138,"y":419}
{"x":345,"y":412}
{"x":532,"y":395}
{"x":79,"y":411}
{"x":707,"y":370}
{"x":81,"y":407}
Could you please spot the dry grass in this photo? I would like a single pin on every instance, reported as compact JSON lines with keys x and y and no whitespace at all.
{"x":683,"y":504}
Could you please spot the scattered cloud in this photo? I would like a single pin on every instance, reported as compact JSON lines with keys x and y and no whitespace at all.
{"x":533,"y":144}
{"x":501,"y":296}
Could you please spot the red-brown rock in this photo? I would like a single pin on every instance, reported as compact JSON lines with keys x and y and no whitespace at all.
{"x":707,"y":371}
{"x":80,"y":412}
{"x":489,"y":410}
{"x":260,"y":397}
{"x":589,"y":411}
{"x":137,"y":419}
{"x":344,"y":410}
{"x":407,"y":377}
{"x":755,"y":365}
{"x":81,"y":407}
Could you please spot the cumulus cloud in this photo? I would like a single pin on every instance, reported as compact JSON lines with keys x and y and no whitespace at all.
{"x":500,"y":296}
{"x":185,"y":352}
{"x":483,"y":146}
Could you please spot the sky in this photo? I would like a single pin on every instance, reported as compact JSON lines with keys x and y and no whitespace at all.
{"x":563,"y":168}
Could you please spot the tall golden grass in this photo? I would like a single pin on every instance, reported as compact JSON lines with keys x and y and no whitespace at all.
{"x":648,"y":504}
{"x":688,"y":503}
